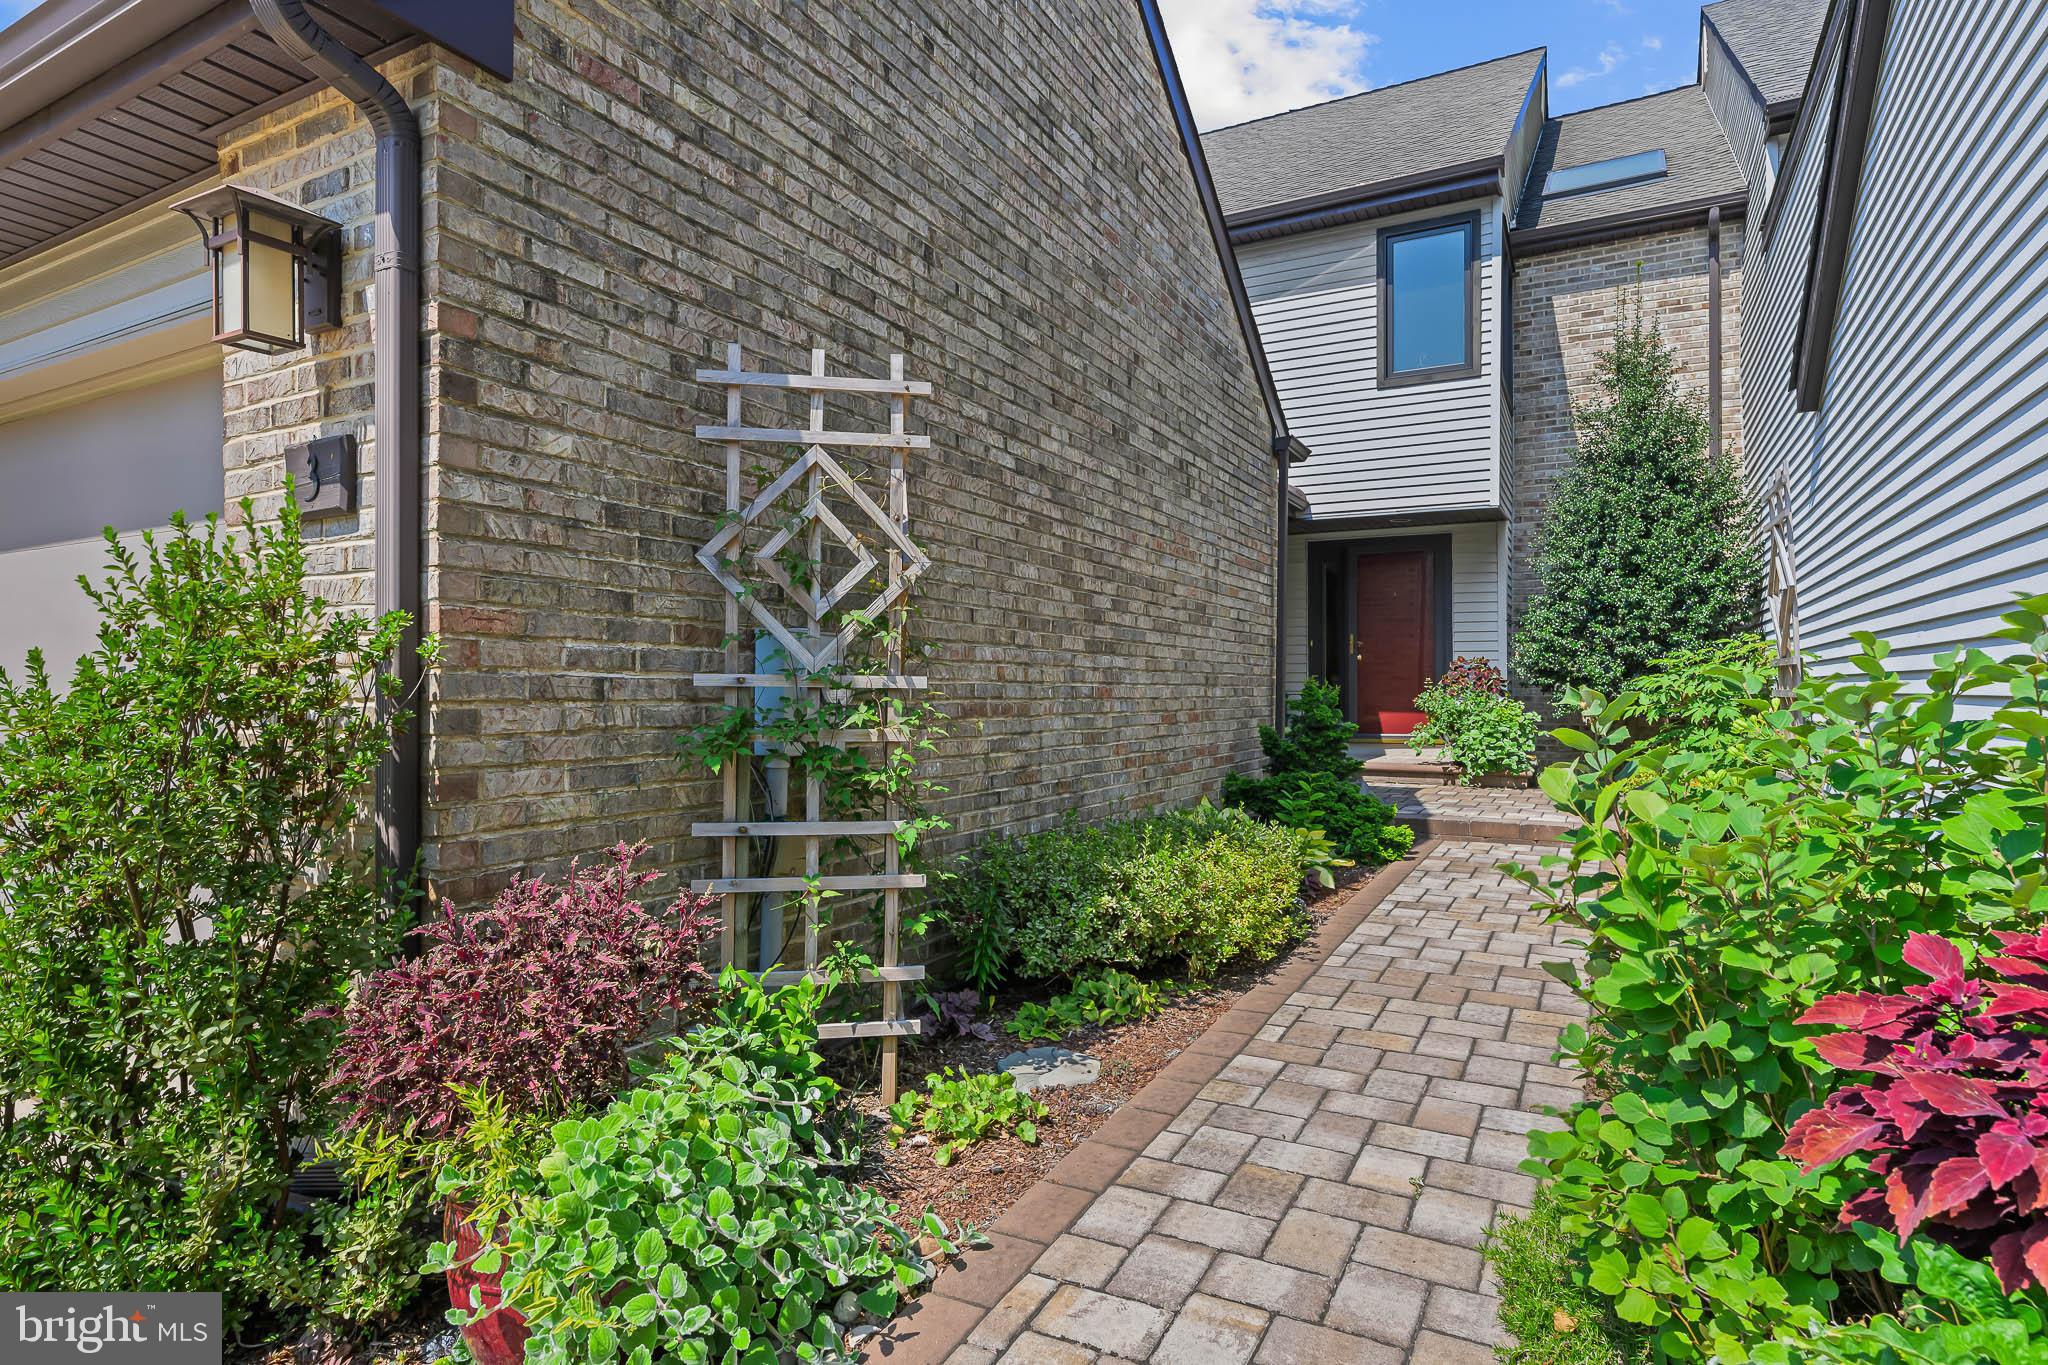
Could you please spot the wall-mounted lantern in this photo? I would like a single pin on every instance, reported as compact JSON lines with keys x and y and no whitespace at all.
{"x":276,"y":268}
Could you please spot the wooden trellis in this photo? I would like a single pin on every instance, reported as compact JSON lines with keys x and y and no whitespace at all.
{"x":815,"y":648}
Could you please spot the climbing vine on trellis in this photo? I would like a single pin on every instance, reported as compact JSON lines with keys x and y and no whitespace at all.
{"x":829,"y":607}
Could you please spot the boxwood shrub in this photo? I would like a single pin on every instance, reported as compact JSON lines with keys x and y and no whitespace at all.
{"x":1193,"y":890}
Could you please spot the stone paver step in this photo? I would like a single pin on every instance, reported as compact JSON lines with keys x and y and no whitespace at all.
{"x":1314,"y":1185}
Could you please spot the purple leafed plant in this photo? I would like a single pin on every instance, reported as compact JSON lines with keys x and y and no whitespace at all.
{"x":1958,"y":1114}
{"x":1477,"y":675}
{"x":534,"y":1000}
{"x":950,"y":1012}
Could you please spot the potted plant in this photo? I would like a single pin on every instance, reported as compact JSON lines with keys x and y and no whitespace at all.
{"x":453,"y":1065}
{"x":1487,"y":736}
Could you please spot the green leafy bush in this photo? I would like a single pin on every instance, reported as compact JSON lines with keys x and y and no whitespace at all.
{"x":1482,"y":732}
{"x":1311,"y":781}
{"x":1647,"y":542}
{"x":1107,"y":997}
{"x":1204,"y":888}
{"x":1720,"y":903}
{"x":1553,"y":1317}
{"x":958,"y":1109}
{"x":697,"y":1219}
{"x":375,"y":1242}
{"x":1953,"y":1312}
{"x":183,"y":909}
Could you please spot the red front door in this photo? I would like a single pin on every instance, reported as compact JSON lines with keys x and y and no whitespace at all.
{"x":1394,"y":647}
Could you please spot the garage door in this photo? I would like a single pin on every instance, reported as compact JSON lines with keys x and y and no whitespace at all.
{"x":126,"y":459}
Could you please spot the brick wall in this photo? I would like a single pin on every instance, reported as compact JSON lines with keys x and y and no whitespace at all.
{"x":993,"y":189}
{"x":319,"y":154}
{"x":1566,"y":306}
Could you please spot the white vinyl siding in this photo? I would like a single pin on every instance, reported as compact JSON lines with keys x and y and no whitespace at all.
{"x":110,"y":414}
{"x":1741,"y":113}
{"x":1414,"y":448}
{"x":1920,"y":489}
{"x":1478,"y":601}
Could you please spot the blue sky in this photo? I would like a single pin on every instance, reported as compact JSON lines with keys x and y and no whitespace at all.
{"x":1244,"y":59}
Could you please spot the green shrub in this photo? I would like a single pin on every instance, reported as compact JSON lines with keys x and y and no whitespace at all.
{"x":1108,"y":997}
{"x":1482,"y":732}
{"x":958,"y":1109}
{"x":696,"y":1219}
{"x":1647,"y":541}
{"x":1311,"y":782}
{"x":1721,"y":901}
{"x":1204,"y":888}
{"x":1553,"y":1317}
{"x":1952,"y":1312}
{"x":184,"y":912}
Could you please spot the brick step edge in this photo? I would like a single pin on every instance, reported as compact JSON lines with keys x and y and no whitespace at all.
{"x":1428,"y":827}
{"x":937,"y":1322}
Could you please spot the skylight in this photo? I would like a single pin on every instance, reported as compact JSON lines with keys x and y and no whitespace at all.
{"x":1605,"y":175}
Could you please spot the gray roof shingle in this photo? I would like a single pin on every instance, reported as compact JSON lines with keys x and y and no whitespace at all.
{"x":1413,"y":128}
{"x":1774,"y":40}
{"x":1680,"y":122}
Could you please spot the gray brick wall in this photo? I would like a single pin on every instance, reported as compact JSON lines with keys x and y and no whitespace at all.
{"x":1567,"y":304}
{"x":993,"y":189}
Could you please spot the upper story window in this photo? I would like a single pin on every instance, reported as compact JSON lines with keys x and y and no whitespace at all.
{"x":1774,"y":160}
{"x":1429,"y":301}
{"x":1605,"y":175}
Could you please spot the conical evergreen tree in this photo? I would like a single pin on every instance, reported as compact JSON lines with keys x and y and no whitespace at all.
{"x":1648,"y":544}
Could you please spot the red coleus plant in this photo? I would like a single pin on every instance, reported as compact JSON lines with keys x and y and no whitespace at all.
{"x":1958,"y":1114}
{"x":534,"y":1000}
{"x":1475,"y":675}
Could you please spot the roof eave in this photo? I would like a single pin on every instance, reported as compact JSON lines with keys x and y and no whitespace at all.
{"x":1467,"y":180}
{"x":1636,"y":222}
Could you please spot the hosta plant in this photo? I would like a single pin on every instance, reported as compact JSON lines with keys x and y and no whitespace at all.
{"x":1955,"y":1123}
{"x":958,"y":1109}
{"x":700,"y":1218}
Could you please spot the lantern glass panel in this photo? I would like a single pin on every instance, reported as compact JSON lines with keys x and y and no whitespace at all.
{"x":273,"y":280}
{"x":229,"y":289}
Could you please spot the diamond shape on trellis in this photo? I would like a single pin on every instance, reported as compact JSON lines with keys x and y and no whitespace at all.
{"x":815,"y":602}
{"x":808,"y":652}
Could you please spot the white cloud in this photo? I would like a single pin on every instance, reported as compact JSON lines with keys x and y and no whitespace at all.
{"x":1653,"y":43}
{"x":1610,"y":57}
{"x":1244,"y":59}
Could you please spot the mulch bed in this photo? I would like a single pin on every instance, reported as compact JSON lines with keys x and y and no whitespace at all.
{"x":983,"y":1181}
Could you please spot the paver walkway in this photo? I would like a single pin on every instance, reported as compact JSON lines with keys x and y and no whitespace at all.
{"x":1321,"y":1199}
{"x":1448,"y":810}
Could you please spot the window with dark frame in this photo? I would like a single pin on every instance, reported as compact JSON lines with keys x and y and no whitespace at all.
{"x":1429,"y":301}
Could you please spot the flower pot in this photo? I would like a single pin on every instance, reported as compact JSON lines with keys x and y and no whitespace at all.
{"x":499,"y":1337}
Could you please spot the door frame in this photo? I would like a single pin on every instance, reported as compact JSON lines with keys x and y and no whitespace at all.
{"x":1333,"y":603}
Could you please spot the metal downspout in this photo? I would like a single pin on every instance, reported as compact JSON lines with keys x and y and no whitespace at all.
{"x":396,"y":304}
{"x":1714,"y":325}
